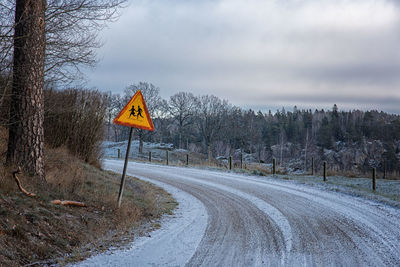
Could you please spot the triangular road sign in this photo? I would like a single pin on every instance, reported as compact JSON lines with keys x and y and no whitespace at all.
{"x":135,"y":114}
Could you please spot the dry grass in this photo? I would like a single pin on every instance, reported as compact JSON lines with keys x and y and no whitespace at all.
{"x":34,"y":230}
{"x":351,"y":174}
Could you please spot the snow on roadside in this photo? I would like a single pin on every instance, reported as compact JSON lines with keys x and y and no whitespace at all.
{"x":387,"y":191}
{"x":176,"y":240}
{"x":110,"y":149}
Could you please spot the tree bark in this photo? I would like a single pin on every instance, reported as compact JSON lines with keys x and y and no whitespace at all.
{"x":26,"y":134}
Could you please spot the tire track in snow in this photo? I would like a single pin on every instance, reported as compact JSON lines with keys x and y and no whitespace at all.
{"x":362,"y":213}
{"x":271,"y":212}
{"x":308,"y":226}
{"x":377,"y":228}
{"x":265,"y":207}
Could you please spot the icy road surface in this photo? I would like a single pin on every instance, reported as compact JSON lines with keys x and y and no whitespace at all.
{"x":227,"y":219}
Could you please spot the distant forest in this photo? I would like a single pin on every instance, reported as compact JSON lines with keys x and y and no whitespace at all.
{"x":350,"y":140}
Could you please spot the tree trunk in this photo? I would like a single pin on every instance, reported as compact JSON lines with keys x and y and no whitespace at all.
{"x":116,"y":134}
{"x":180,"y":140}
{"x":108,"y":127}
{"x":305,"y":152}
{"x":26,"y":134}
{"x":140,"y":141}
{"x":209,"y":153}
{"x":281,"y":156}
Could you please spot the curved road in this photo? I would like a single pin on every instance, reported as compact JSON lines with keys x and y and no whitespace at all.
{"x":259,"y":221}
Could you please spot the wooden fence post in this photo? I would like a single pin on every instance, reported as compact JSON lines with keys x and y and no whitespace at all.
{"x":241,"y":160}
{"x":187,"y":159}
{"x":274,"y":166}
{"x":324,"y":171}
{"x":119,"y":153}
{"x":230,"y":162}
{"x":374,"y":179}
{"x":167,"y":157}
{"x":149,"y":156}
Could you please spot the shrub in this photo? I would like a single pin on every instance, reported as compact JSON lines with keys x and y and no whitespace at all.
{"x":74,"y":118}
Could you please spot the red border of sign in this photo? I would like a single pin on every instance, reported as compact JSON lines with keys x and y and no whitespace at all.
{"x":151,"y":128}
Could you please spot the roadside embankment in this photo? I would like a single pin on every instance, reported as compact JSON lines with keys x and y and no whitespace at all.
{"x":35,"y":231}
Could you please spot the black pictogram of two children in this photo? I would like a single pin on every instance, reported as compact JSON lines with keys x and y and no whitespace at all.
{"x":135,"y":112}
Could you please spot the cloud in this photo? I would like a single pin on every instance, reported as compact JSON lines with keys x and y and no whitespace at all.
{"x":256,"y":51}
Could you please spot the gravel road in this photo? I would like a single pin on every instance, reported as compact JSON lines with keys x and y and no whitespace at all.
{"x":228,"y":219}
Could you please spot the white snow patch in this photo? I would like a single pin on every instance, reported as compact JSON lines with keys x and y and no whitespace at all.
{"x":175,"y":242}
{"x":110,"y":149}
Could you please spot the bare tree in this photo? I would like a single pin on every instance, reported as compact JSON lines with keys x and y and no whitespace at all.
{"x":114,"y":106}
{"x":72,"y":28}
{"x":7,"y":12}
{"x":6,"y":44}
{"x":26,"y":134}
{"x":211,"y":112}
{"x":181,"y":107}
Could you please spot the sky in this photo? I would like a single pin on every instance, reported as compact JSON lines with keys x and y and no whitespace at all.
{"x":259,"y":54}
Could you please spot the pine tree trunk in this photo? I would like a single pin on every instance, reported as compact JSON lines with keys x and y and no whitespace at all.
{"x":26,"y":134}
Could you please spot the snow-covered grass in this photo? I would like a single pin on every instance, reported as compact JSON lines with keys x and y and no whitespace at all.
{"x":387,"y":191}
{"x":110,"y":149}
{"x":158,"y":153}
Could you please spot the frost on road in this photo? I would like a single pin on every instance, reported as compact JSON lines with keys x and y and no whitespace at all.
{"x":227,"y":219}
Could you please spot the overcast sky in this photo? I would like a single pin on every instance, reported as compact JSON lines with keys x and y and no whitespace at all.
{"x":260,"y":54}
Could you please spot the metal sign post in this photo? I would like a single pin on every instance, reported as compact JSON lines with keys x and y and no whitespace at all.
{"x":121,"y":187}
{"x":134,"y":114}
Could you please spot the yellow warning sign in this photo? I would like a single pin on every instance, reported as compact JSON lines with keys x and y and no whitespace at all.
{"x":135,"y":114}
